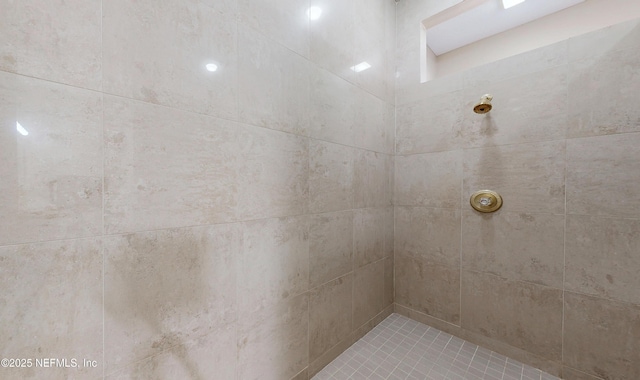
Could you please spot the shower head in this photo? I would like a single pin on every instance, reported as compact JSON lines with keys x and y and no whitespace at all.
{"x":485,"y":104}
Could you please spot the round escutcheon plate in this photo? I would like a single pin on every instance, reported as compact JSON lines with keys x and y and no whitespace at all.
{"x":486,"y":201}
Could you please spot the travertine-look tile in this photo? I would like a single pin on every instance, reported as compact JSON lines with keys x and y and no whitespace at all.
{"x":51,"y":306}
{"x":523,"y":315}
{"x":389,"y":231}
{"x":208,"y":357}
{"x":368,"y":292}
{"x":569,"y":373}
{"x":432,"y":179}
{"x":56,"y":41}
{"x":274,"y":264}
{"x":166,"y":288}
{"x":430,"y":234}
{"x":273,"y":343}
{"x":284,"y":21}
{"x":331,"y":176}
{"x":273,"y":84}
{"x":160,"y":175}
{"x":602,"y":93}
{"x":330,"y":246}
{"x":601,"y":337}
{"x":388,"y":281}
{"x":602,"y":257}
{"x":428,"y":287}
{"x":372,"y":182}
{"x":157,"y":52}
{"x":332,"y":37}
{"x":604,"y":167}
{"x":374,"y":122}
{"x":51,"y":186}
{"x":330,"y":315}
{"x":518,"y":115}
{"x":518,"y":246}
{"x":625,"y":35}
{"x":431,"y":124}
{"x":274,"y":174}
{"x":368,"y":236}
{"x":529,"y":177}
{"x":332,"y":107}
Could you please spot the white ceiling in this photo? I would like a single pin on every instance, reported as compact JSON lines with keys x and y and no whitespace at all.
{"x":485,"y":20}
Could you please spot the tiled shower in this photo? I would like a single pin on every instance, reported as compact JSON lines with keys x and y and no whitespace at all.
{"x":213,"y":189}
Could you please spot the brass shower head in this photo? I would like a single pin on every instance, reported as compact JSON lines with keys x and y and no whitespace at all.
{"x":485,"y":104}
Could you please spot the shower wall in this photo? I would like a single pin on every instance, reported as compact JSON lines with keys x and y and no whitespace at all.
{"x":166,"y":221}
{"x":552,"y":278}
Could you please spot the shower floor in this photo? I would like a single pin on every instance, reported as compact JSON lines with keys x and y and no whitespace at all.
{"x":401,"y":348}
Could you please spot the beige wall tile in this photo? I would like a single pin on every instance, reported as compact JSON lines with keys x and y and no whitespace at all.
{"x":160,"y":175}
{"x":51,"y":185}
{"x":60,"y":41}
{"x":273,"y":343}
{"x":368,"y":292}
{"x":374,"y":122}
{"x":602,"y":257}
{"x":274,"y":174}
{"x":621,"y":36}
{"x":520,"y":113}
{"x":332,"y":40}
{"x":432,"y":179}
{"x":523,"y":315}
{"x":601,"y":337}
{"x":157,"y":52}
{"x":389,"y":232}
{"x":372,"y":183}
{"x":569,"y":373}
{"x":388,"y":281}
{"x":330,"y":246}
{"x":51,"y":306}
{"x":428,"y":287}
{"x":284,"y":21}
{"x":368,"y":236}
{"x":431,"y":124}
{"x":529,"y":177}
{"x":166,"y":288}
{"x":273,"y":84}
{"x":602,"y":93}
{"x":330,"y":316}
{"x":430,"y":234}
{"x":331,"y":176}
{"x":518,"y":246}
{"x":604,"y":167}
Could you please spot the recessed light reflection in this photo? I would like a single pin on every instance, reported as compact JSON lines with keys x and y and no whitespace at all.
{"x":511,"y":3}
{"x":360,"y":67}
{"x":21,"y":129}
{"x":211,"y":67}
{"x":314,"y":13}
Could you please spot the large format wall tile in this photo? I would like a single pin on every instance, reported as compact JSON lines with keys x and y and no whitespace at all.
{"x":430,"y":234}
{"x":603,"y":94}
{"x":274,"y":264}
{"x":331,"y":176}
{"x":330,"y":316}
{"x":273,"y":84}
{"x":372,"y":181}
{"x":602,"y":257}
{"x":374,"y":123}
{"x":273,"y":344}
{"x":368,"y":292}
{"x":157,"y":52}
{"x":166,"y":288}
{"x":51,"y":306}
{"x":625,"y":35}
{"x":389,"y":287}
{"x":330,"y":246}
{"x":518,"y":246}
{"x":524,"y":315}
{"x":274,"y":174}
{"x":368,"y":236}
{"x":428,"y":287}
{"x":332,"y":37}
{"x":521,"y":113}
{"x":51,"y":186}
{"x":57,"y":41}
{"x":284,"y":21}
{"x":603,"y":175}
{"x":432,"y":179}
{"x":431,"y":124}
{"x":602,"y":337}
{"x":161,"y":170}
{"x":530,"y":177}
